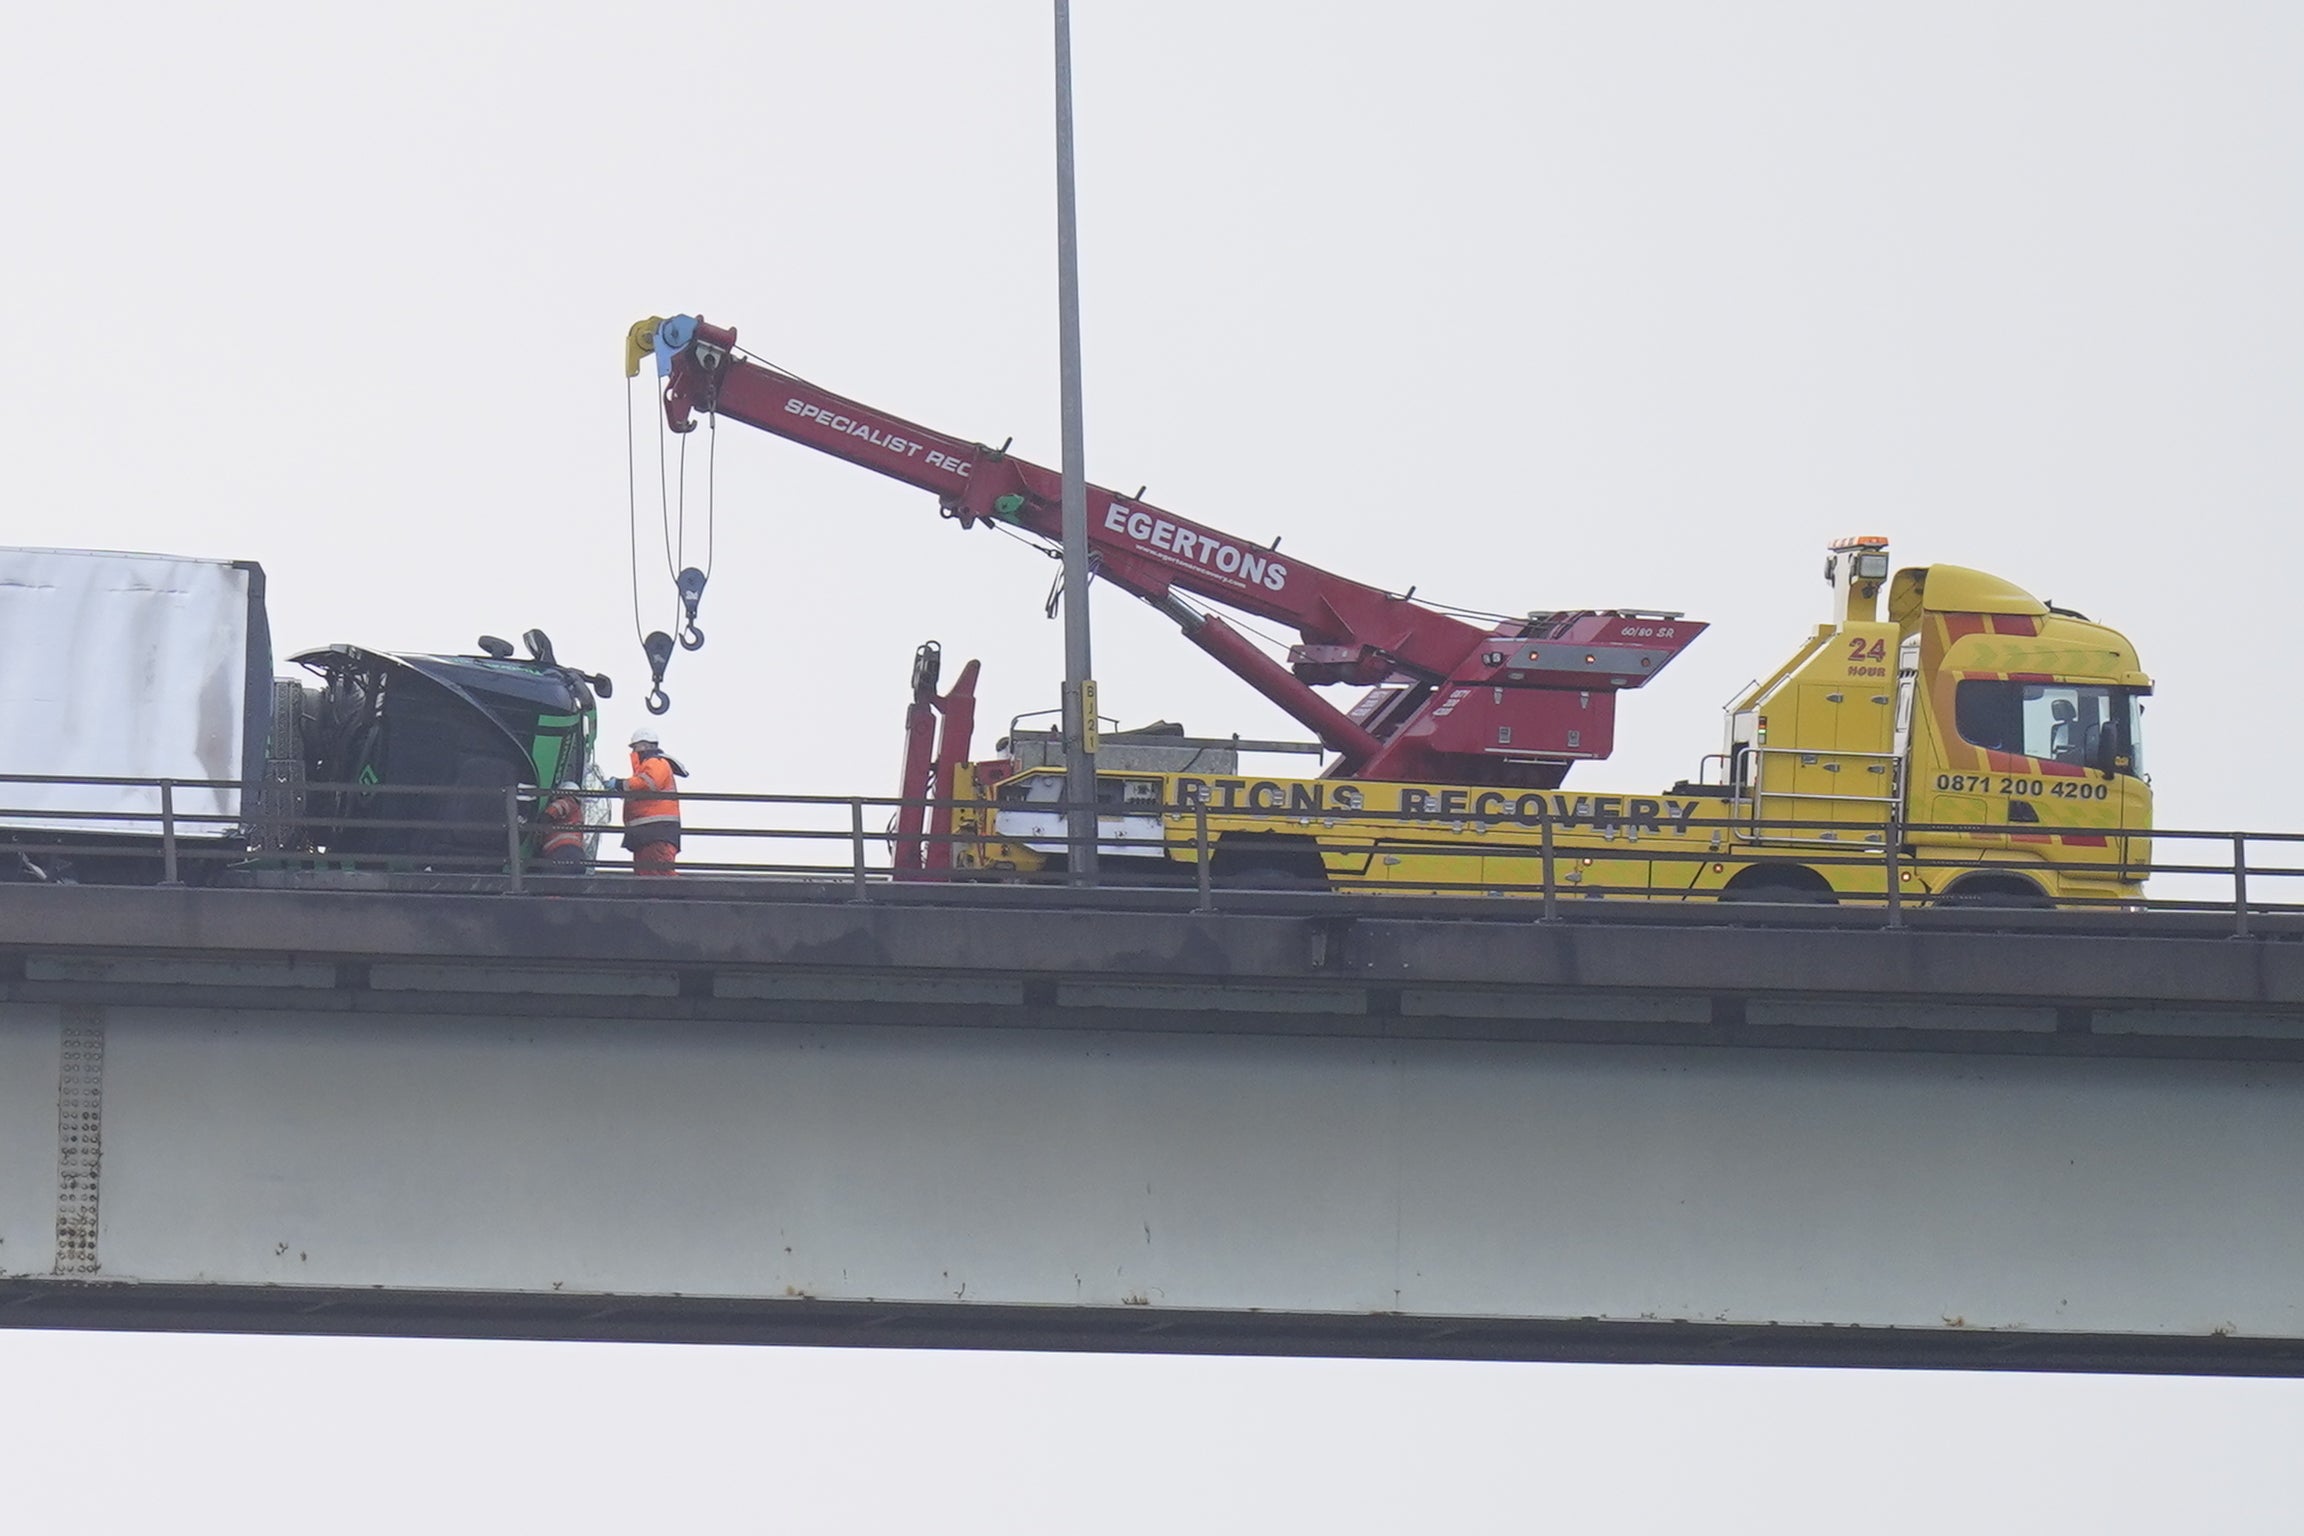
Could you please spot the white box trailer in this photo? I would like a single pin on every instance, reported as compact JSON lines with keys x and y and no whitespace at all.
{"x":134,"y":667}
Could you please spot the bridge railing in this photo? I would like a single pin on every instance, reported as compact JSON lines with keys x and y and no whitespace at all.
{"x":129,"y":830}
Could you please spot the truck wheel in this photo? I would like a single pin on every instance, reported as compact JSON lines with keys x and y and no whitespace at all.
{"x":1268,"y":864}
{"x":1994,"y":891}
{"x":1794,"y":884}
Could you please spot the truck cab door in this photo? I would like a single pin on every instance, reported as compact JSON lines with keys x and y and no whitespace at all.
{"x":2128,"y":782}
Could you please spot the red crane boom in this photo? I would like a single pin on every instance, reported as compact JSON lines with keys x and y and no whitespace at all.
{"x":1513,"y":703}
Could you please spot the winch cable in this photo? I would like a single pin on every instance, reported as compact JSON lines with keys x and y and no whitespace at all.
{"x":1031,"y":542}
{"x":688,"y":581}
{"x":1278,"y":646}
{"x":657,"y":700}
{"x":663,"y":482}
{"x":632,"y":512}
{"x":711,"y":487}
{"x":676,"y":544}
{"x":676,"y":555}
{"x":632,"y":506}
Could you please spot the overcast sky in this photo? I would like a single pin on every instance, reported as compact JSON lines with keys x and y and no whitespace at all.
{"x":1529,"y":305}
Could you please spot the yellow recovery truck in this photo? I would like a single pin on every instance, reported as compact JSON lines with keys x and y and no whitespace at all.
{"x":1973,"y":743}
{"x":1994,"y":741}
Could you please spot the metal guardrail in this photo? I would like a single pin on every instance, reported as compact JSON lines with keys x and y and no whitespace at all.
{"x":492,"y":835}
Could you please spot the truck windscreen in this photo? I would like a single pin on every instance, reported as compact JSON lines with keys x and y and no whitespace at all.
{"x":2090,"y":725}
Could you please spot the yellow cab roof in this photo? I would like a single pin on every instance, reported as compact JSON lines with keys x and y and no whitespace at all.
{"x":1956,"y":589}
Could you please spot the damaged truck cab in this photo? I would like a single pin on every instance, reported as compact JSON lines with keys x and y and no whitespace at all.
{"x":147,"y":736}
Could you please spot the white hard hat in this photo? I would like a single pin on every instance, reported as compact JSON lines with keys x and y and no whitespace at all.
{"x":646,"y":737}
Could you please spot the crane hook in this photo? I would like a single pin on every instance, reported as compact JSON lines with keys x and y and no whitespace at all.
{"x":691,"y":593}
{"x":658,"y":648}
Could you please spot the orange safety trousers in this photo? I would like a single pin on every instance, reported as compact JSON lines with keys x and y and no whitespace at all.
{"x":655,"y":859}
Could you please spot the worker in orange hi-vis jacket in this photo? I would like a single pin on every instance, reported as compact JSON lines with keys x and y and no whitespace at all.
{"x":652,"y":806}
{"x":563,"y":845}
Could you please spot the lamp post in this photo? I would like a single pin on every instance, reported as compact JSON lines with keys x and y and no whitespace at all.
{"x":1079,"y":682}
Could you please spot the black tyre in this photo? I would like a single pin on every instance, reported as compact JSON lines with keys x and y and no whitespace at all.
{"x":1268,"y":864}
{"x":1789,"y":884}
{"x":2003,"y":891}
